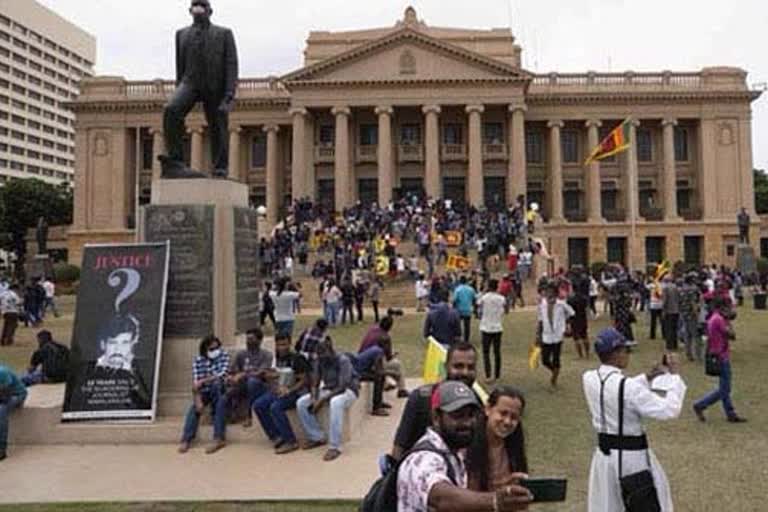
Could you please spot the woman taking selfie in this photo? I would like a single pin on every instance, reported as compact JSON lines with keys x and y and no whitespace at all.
{"x":496,"y":457}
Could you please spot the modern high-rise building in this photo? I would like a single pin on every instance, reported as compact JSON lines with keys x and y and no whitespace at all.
{"x":43,"y":57}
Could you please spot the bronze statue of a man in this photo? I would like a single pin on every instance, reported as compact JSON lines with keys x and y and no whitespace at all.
{"x":206,"y":71}
{"x":744,"y":222}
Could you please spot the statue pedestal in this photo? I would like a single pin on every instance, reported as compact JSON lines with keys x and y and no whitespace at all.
{"x":213,"y":284}
{"x":40,"y":266}
{"x":746,"y":261}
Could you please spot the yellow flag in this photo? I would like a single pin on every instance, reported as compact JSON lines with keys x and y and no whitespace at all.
{"x":534,"y":353}
{"x":434,"y":362}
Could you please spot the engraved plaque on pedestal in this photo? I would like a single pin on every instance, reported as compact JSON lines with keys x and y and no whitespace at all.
{"x":247,"y":268}
{"x":189,"y":305}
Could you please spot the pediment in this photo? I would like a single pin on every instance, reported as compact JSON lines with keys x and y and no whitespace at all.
{"x":406,"y":55}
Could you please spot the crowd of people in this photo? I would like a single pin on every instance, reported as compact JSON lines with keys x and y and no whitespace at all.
{"x":28,"y":306}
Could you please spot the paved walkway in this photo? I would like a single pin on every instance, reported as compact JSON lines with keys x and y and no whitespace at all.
{"x":44,"y":474}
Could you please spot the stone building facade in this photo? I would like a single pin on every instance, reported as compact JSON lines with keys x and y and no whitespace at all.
{"x":375,"y":114}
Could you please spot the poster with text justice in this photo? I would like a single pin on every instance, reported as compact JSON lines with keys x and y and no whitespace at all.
{"x":117,"y":334}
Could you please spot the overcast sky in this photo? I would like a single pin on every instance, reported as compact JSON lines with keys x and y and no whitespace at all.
{"x":135,"y":37}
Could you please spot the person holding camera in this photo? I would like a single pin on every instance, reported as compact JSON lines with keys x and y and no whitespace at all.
{"x":719,"y":336}
{"x":625,"y":474}
{"x":209,"y":375}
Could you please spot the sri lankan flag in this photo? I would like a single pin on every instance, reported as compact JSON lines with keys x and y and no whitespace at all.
{"x":616,"y":142}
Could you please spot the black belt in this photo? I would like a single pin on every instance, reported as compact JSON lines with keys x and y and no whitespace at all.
{"x":608,"y":442}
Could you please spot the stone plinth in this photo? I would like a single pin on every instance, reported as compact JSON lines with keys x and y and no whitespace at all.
{"x":198,"y":217}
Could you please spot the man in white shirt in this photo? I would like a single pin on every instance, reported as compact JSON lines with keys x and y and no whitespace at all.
{"x":658,"y":395}
{"x":10,"y":307}
{"x":422,"y":293}
{"x":50,"y":296}
{"x":492,"y":305}
{"x":553,"y":316}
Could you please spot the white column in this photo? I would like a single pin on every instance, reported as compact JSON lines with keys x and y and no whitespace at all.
{"x":555,"y":172}
{"x":341,"y":168}
{"x":299,"y":175}
{"x":197,"y":158}
{"x":517,"y":182}
{"x":593,"y":181}
{"x":158,"y":148}
{"x":273,"y":183}
{"x":432,"y":151}
{"x":475,"y":169}
{"x":386,"y":167}
{"x":235,"y":172}
{"x":669,"y":183}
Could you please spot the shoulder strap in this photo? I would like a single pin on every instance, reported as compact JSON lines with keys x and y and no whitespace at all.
{"x":426,"y":446}
{"x":621,"y":420}
{"x":602,"y":397}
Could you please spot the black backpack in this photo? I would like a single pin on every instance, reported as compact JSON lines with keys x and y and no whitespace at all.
{"x":56,"y":366}
{"x":382,"y":496}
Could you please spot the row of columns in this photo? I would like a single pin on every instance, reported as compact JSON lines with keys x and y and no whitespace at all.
{"x":593,"y":181}
{"x":303,"y":177}
{"x":303,"y":168}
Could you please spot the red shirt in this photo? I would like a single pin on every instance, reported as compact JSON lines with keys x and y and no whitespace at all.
{"x":512,"y":262}
{"x":717,"y":335}
{"x":372,"y":338}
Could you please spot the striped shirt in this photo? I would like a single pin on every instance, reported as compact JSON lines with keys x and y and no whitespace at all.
{"x":204,"y":368}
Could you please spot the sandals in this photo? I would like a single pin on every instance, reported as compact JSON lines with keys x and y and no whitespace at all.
{"x":331,"y":454}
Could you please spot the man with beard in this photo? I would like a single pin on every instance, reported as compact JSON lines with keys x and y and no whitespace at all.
{"x":116,"y":365}
{"x":248,"y":375}
{"x":433,"y":476}
{"x":461,"y":365}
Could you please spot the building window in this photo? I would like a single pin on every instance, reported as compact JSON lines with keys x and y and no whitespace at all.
{"x":493,"y":133}
{"x":369,"y":134}
{"x":569,"y":145}
{"x":616,"y":249}
{"x":609,"y":200}
{"x":147,"y":150}
{"x":572,"y":201}
{"x":327,"y":135}
{"x":654,"y":249}
{"x":578,"y":252}
{"x":259,"y":151}
{"x":764,"y":247}
{"x":683,"y":200}
{"x":534,"y":147}
{"x":644,"y":145}
{"x":692,"y":250}
{"x":258,"y":196}
{"x":453,"y":134}
{"x":410,"y":134}
{"x":368,"y":190}
{"x":681,"y":144}
{"x":494,"y":190}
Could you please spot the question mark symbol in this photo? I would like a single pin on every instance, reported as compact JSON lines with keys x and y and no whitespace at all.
{"x":132,"y":281}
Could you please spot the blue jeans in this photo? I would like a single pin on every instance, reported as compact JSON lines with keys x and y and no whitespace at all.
{"x":214,"y":396}
{"x":364,"y":361}
{"x":723,"y":392}
{"x":284,"y":327}
{"x":254,"y":388}
{"x":270,"y":409}
{"x":6,"y":408}
{"x":32,"y":378}
{"x":333,"y":313}
{"x":338,"y":404}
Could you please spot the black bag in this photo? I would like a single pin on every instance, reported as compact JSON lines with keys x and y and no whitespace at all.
{"x":638,"y":490}
{"x":382,"y":496}
{"x":712,"y":365}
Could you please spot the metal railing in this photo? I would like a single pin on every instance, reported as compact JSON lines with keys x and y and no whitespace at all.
{"x":367,"y":153}
{"x":614,"y":215}
{"x":453,"y":152}
{"x":491,"y":151}
{"x":325,"y":154}
{"x":410,"y":152}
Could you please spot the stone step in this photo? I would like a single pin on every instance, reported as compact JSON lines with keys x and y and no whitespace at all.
{"x":39,"y":422}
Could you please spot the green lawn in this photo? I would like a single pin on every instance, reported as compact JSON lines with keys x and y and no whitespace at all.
{"x":709,"y":465}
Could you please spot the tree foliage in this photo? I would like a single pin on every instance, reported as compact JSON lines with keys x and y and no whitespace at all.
{"x":23,"y":202}
{"x":761,"y":191}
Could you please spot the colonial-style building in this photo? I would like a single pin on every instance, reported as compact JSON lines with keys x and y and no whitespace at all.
{"x":377,"y":113}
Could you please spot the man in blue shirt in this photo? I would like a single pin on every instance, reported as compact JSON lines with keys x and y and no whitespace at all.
{"x":443,"y":322}
{"x":12,"y":395}
{"x":464,"y":297}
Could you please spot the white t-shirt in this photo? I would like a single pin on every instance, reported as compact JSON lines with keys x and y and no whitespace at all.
{"x":284,"y":305}
{"x":421,"y":289}
{"x":493,"y":312}
{"x":554,"y":331}
{"x":50,"y":289}
{"x":9,"y":302}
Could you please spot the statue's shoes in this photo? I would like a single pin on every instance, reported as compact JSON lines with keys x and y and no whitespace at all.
{"x":176,"y":170}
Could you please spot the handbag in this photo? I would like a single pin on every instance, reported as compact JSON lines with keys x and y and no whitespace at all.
{"x":638,"y":490}
{"x":712,"y":365}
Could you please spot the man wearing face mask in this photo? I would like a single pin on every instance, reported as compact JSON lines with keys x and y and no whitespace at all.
{"x":434,"y":477}
{"x":206,"y":71}
{"x":209,"y":374}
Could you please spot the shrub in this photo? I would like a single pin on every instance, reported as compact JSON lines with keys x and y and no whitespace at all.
{"x":66,"y":273}
{"x":762,"y":266}
{"x":597,"y":268}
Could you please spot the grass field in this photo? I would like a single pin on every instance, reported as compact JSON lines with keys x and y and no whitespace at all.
{"x":712,"y":466}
